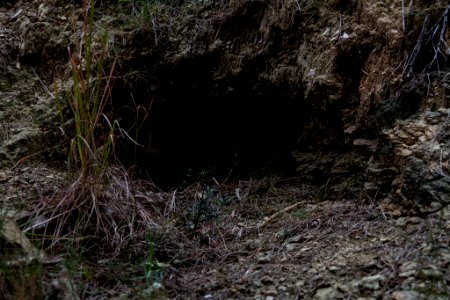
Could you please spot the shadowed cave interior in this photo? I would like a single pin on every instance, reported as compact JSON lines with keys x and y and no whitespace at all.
{"x":220,"y":129}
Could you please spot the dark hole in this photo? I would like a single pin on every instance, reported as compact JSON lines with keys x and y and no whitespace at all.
{"x":189,"y":134}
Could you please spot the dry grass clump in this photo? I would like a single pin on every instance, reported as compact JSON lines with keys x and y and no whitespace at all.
{"x":103,"y":209}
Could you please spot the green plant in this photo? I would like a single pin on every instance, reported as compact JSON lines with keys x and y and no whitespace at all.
{"x":92,"y":145}
{"x":92,"y":140}
{"x":208,"y":207}
{"x":153,"y":271}
{"x":142,"y":8}
{"x":157,"y":17}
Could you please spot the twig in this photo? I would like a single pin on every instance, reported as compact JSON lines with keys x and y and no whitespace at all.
{"x":277,"y":214}
{"x":298,"y":6}
{"x":171,"y":206}
{"x":224,"y":258}
{"x":43,"y":84}
{"x":403,"y":16}
{"x":441,"y":40}
{"x":440,"y":130}
{"x":411,"y":61}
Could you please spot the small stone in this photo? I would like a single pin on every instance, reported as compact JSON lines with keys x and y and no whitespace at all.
{"x":300,"y":284}
{"x":270,"y":292}
{"x":445,"y":256}
{"x":371,"y":265}
{"x":290,"y":247}
{"x":372,"y":282}
{"x":266,"y":280}
{"x":407,"y":295}
{"x":412,"y":228}
{"x":384,"y":238}
{"x":4,"y":175}
{"x":415,"y":220}
{"x":342,"y":287}
{"x":405,"y":152}
{"x":327,"y":293}
{"x":419,"y":285}
{"x":435,"y":206}
{"x":264,"y":258}
{"x":370,"y":186}
{"x":281,"y":234}
{"x":427,"y":250}
{"x":401,"y":222}
{"x":296,"y":239}
{"x":408,"y":269}
{"x":320,"y":267}
{"x":334,"y":269}
{"x":284,"y":258}
{"x":430,"y":273}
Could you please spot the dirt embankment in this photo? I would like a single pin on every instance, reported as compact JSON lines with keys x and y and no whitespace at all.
{"x":245,"y":85}
{"x":348,"y":97}
{"x":333,"y":85}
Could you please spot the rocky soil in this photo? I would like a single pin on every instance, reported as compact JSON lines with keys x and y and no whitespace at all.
{"x":348,"y":101}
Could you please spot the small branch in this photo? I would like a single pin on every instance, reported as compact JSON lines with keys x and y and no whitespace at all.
{"x":43,"y":84}
{"x":443,"y":31}
{"x":411,"y":61}
{"x":277,"y":214}
{"x":403,"y":16}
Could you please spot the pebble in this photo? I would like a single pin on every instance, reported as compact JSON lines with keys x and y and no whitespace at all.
{"x":282,"y":288}
{"x":270,"y":292}
{"x":264,"y":258}
{"x":300,"y":284}
{"x":372,"y":282}
{"x":407,"y":295}
{"x":266,"y":280}
{"x":401,"y":222}
{"x":408,"y":268}
{"x":334,"y":269}
{"x":430,"y":273}
{"x":4,"y":175}
{"x":327,"y":293}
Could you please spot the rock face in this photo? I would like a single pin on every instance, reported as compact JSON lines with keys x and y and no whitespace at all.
{"x":421,"y":152}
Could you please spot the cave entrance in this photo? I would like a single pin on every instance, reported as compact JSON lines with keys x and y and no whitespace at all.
{"x":189,"y":125}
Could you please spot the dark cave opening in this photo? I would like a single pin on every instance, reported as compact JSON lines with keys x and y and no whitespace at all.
{"x":214,"y":129}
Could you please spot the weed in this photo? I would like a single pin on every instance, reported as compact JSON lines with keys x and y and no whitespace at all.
{"x":153,"y":270}
{"x":92,"y":145}
{"x":208,"y":207}
{"x":90,"y":96}
{"x":98,"y":205}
